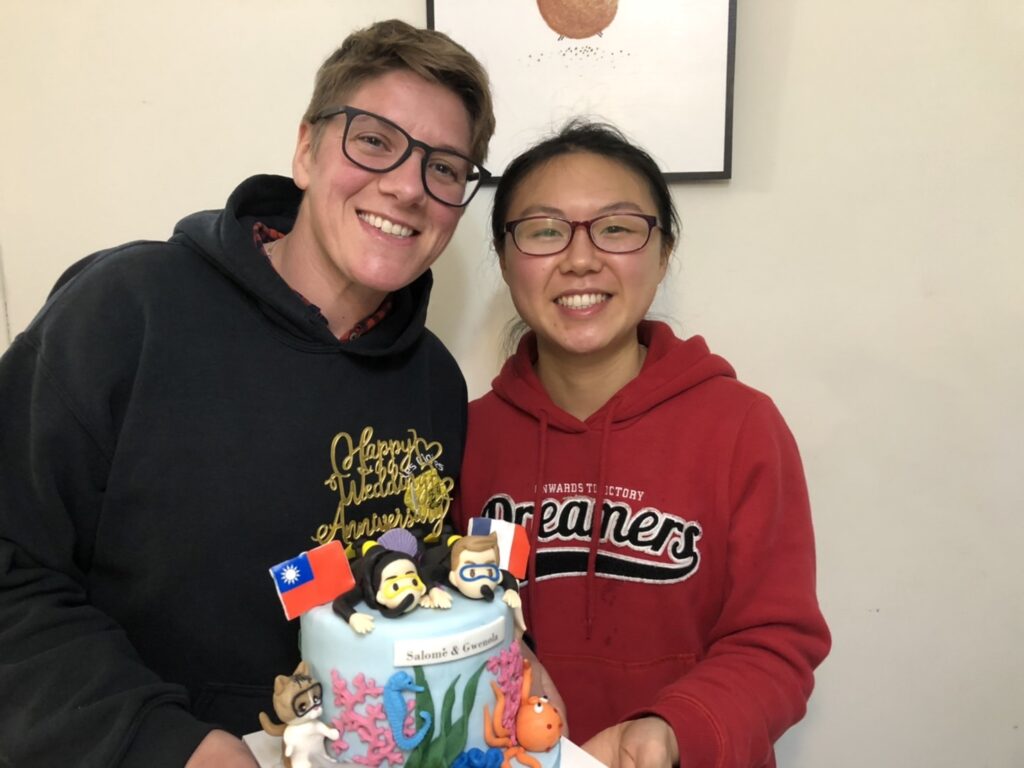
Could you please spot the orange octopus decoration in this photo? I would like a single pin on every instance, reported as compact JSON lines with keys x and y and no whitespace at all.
{"x":538,"y":724}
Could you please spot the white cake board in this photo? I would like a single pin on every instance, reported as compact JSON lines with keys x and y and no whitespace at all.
{"x":267,"y":750}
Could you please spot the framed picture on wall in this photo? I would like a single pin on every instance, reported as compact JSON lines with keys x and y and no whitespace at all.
{"x":662,"y":72}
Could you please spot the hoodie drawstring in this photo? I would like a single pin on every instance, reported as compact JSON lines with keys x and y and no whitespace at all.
{"x":598,"y":517}
{"x":531,"y":571}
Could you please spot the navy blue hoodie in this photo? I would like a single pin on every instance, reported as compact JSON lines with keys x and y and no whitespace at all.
{"x":173,"y":422}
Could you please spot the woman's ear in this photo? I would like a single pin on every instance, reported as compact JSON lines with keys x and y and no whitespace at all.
{"x":668,"y":246}
{"x":304,"y":157}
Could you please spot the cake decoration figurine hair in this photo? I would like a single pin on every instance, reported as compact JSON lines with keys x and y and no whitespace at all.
{"x":298,"y":703}
{"x":389,"y":581}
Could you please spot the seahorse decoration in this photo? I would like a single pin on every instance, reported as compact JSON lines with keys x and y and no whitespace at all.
{"x":395,"y":709}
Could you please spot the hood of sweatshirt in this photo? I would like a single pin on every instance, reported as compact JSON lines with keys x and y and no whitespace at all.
{"x":670,"y":368}
{"x":225,"y":239}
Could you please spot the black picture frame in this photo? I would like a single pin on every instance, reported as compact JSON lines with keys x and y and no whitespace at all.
{"x":668,"y":81}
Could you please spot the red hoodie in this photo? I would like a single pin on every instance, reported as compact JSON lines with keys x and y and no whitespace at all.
{"x":697,"y":604}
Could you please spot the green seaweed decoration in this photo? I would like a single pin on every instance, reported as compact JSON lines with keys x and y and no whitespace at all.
{"x":459,"y":734}
{"x":440,"y":750}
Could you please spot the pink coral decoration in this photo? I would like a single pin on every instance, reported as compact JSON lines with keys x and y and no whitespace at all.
{"x":370,"y":725}
{"x":507,"y":667}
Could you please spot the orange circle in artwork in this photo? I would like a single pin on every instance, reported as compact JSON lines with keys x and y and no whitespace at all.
{"x":578,"y":18}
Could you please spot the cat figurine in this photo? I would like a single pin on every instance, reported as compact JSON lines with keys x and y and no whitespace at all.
{"x":297,"y":702}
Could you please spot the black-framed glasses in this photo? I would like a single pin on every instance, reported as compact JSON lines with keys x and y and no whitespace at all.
{"x":614,"y":233}
{"x":376,"y":144}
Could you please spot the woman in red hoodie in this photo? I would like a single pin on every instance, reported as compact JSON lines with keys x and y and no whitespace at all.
{"x":686,"y":630}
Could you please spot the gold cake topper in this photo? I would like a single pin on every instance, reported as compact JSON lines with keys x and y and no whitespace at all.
{"x":368,"y":468}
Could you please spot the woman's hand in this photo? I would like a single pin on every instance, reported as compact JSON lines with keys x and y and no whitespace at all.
{"x":221,"y":750}
{"x":644,"y":743}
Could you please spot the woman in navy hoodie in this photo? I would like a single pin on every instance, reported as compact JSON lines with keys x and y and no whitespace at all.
{"x":182,"y":415}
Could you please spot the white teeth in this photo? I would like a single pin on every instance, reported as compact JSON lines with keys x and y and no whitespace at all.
{"x":386,"y":226}
{"x":582,"y":300}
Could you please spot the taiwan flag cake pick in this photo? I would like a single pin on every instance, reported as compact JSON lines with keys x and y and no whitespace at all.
{"x":313,"y":578}
{"x":513,"y":543}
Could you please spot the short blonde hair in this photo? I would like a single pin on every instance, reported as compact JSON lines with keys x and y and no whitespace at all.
{"x":475,"y":544}
{"x":395,"y":45}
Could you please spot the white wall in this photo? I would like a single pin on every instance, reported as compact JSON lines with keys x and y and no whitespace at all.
{"x":5,"y":331}
{"x":864,"y":266}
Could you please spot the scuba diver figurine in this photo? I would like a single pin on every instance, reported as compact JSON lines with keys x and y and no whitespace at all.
{"x":389,"y":581}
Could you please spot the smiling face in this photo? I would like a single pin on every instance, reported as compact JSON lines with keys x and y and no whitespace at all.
{"x":582,"y":301}
{"x":372,"y":233}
